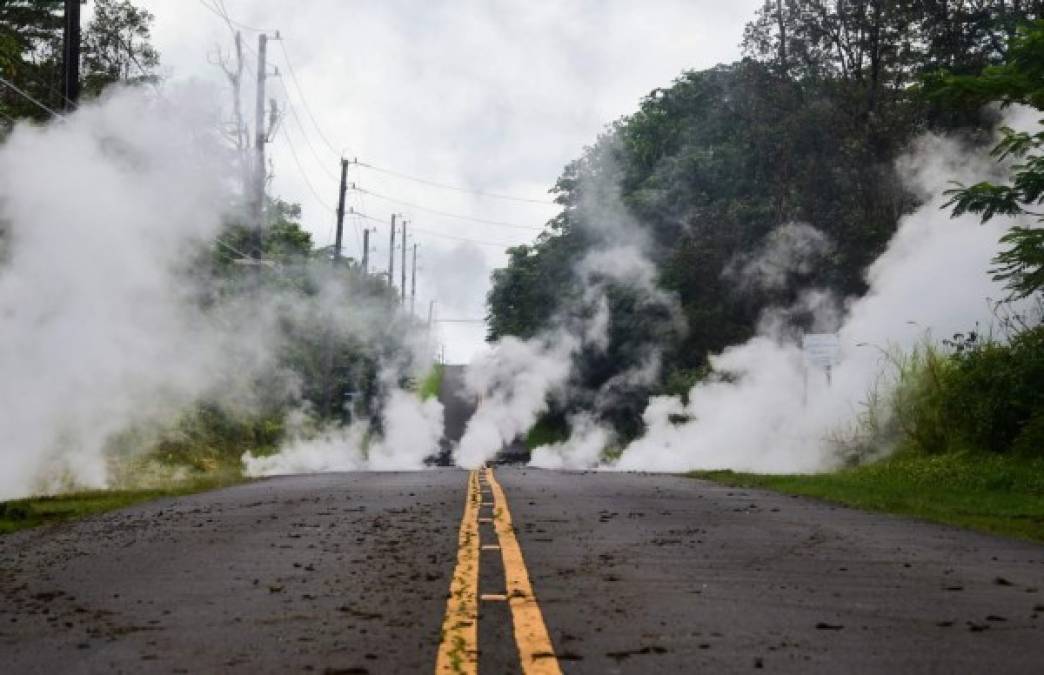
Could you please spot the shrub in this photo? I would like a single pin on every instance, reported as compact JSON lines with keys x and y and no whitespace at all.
{"x":982,"y":396}
{"x":994,"y":391}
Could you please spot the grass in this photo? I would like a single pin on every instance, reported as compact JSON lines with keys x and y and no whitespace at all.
{"x":545,"y":433}
{"x":432,"y":382}
{"x":999,"y":494}
{"x":21,"y":514}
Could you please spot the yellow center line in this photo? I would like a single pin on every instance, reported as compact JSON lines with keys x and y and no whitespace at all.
{"x":534,"y":644}
{"x":458,"y":651}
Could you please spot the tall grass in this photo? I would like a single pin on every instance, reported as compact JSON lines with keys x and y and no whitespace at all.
{"x":973,"y":395}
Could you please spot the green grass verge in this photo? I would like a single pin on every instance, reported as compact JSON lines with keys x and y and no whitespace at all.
{"x":20,"y":514}
{"x":432,"y":382}
{"x":545,"y":433}
{"x":991,"y":493}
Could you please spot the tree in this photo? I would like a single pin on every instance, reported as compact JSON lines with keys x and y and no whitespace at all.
{"x":805,"y":129}
{"x":30,"y":57}
{"x":1019,"y":80}
{"x":116,"y":46}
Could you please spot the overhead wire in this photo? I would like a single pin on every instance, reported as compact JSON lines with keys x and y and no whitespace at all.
{"x":219,"y":10}
{"x":308,"y":110}
{"x":18,"y":90}
{"x":480,"y":242}
{"x":455,"y":188}
{"x":442,"y":235}
{"x":304,"y":175}
{"x":304,"y":100}
{"x":238,"y":24}
{"x":447,"y":214}
{"x":390,"y":172}
{"x":293,"y":113}
{"x":232,"y":248}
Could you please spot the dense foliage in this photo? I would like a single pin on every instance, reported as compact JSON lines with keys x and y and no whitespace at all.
{"x":805,"y":129}
{"x":115,"y":48}
{"x":1020,"y":79}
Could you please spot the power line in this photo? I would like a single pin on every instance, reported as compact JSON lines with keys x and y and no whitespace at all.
{"x":455,"y":188}
{"x":304,"y":100}
{"x":383,"y":221}
{"x":238,"y":24}
{"x":445,"y":213}
{"x":293,"y":113}
{"x":219,"y":10}
{"x":480,"y":242}
{"x":232,"y":248}
{"x":28,"y":97}
{"x":304,"y":176}
{"x":43,"y":83}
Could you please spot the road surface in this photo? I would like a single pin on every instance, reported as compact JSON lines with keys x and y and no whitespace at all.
{"x":351,"y":573}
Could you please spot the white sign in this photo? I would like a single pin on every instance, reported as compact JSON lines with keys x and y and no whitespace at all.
{"x":822,"y":350}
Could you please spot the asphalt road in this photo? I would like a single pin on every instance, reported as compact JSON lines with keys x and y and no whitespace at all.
{"x":349,"y":573}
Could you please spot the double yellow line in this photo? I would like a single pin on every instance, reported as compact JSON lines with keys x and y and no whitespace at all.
{"x":458,"y":651}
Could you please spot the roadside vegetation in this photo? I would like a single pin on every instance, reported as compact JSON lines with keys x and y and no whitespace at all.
{"x":431,"y":384}
{"x":992,"y":493}
{"x":21,"y":514}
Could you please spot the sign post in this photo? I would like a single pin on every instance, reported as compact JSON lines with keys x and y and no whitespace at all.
{"x":822,"y":350}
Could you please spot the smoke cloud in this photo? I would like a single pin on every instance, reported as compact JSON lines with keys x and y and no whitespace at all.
{"x":768,"y":410}
{"x":791,"y":249}
{"x":105,"y":323}
{"x":515,"y":381}
{"x":412,"y":430}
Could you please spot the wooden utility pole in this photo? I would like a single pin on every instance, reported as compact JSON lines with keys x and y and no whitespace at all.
{"x":366,"y":252}
{"x":340,"y":211}
{"x":391,"y":254}
{"x":413,"y":282}
{"x":260,"y":139}
{"x":71,"y":55}
{"x":403,"y":289}
{"x":431,"y":320}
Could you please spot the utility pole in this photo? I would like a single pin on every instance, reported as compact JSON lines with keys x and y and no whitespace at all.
{"x":403,"y":289}
{"x":391,"y":254}
{"x":431,"y":320}
{"x":260,"y":139}
{"x":71,"y":55}
{"x":366,"y":252}
{"x":340,"y":211}
{"x":413,"y":282}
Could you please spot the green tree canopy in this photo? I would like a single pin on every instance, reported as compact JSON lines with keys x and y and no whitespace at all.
{"x":1020,"y":79}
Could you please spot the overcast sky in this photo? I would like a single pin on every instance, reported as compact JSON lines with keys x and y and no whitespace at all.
{"x":493,"y":96}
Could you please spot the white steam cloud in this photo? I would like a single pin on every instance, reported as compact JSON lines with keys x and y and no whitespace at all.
{"x":514,"y":381}
{"x":412,"y":432}
{"x":96,"y":328}
{"x":777,"y":415}
{"x":104,"y":215}
{"x":791,"y":249}
{"x":771,"y":412}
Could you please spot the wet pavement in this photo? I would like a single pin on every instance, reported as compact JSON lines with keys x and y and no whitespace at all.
{"x":341,"y":573}
{"x":659,"y":574}
{"x":349,"y":573}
